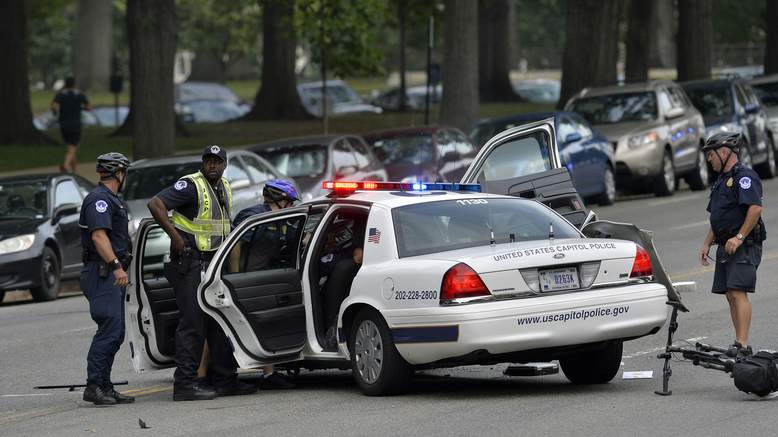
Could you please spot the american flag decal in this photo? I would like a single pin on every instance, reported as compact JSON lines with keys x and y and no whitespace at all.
{"x":374,"y":236}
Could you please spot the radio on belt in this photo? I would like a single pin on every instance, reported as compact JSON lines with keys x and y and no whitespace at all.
{"x":350,"y":187}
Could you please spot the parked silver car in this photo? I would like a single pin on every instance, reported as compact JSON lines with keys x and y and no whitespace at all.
{"x":341,"y":99}
{"x":655,"y":131}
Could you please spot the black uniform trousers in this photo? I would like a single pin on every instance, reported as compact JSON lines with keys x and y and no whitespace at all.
{"x":194,"y":327}
{"x":106,"y":306}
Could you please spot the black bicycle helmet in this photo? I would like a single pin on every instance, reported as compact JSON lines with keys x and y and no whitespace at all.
{"x":732,"y":140}
{"x":112,"y":162}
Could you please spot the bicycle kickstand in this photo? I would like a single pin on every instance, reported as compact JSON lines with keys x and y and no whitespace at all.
{"x":666,"y":355}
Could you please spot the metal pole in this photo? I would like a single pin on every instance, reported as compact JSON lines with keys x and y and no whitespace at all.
{"x":430,"y":43}
{"x":323,"y":54}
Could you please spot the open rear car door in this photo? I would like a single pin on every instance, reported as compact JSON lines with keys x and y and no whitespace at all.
{"x":524,"y":162}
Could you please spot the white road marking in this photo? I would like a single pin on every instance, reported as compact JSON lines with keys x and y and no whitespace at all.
{"x":689,"y":225}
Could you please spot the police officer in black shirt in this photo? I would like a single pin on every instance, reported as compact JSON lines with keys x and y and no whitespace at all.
{"x":736,"y":226}
{"x":201,"y":204}
{"x":107,"y":256}
{"x":67,"y":104}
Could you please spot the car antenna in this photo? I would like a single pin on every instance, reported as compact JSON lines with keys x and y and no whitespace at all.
{"x":550,"y":231}
{"x":491,"y":236}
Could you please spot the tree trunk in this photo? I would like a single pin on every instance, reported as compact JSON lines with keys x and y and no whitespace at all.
{"x":663,"y":27}
{"x":639,"y":34}
{"x":92,"y":44}
{"x":277,"y":97}
{"x":459,"y":107}
{"x":16,"y":113}
{"x":151,"y":31}
{"x":495,"y":38}
{"x":591,"y":46}
{"x":771,"y":39}
{"x":695,"y":39}
{"x":402,"y":102}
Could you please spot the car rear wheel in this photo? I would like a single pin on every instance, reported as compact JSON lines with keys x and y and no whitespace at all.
{"x":608,"y":195}
{"x":664,"y":184}
{"x":767,"y":169}
{"x":378,"y":368}
{"x":49,"y":276}
{"x":698,"y":179}
{"x":593,"y":367}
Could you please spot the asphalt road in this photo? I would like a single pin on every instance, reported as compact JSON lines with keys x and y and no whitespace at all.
{"x":46,"y":343}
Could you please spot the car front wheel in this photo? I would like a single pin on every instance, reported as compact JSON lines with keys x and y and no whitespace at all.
{"x":593,"y":367}
{"x":664,"y":184}
{"x":49,"y":276}
{"x":608,"y":195}
{"x":378,"y":368}
{"x":698,"y":179}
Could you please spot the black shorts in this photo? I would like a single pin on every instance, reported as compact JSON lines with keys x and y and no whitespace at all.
{"x":71,"y":135}
{"x":737,"y":271}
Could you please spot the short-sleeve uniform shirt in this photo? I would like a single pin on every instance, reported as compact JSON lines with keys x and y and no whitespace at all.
{"x":731,"y":195}
{"x":102,"y":209}
{"x":70,"y":103}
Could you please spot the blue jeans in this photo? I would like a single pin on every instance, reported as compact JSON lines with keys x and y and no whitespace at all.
{"x":106,"y":306}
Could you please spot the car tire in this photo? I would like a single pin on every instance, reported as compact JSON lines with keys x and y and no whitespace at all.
{"x":665,"y":182}
{"x":767,"y":169}
{"x":608,"y":195}
{"x":50,"y":274}
{"x":378,"y":368}
{"x":2,"y":295}
{"x":699,"y":177}
{"x":593,"y":367}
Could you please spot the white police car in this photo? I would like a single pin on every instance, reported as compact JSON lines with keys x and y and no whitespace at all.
{"x":449,"y":276}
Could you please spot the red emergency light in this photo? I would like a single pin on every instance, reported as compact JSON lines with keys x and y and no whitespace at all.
{"x":351,"y":186}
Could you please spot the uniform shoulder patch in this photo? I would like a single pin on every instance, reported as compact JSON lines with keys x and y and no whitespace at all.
{"x":101,"y":206}
{"x":180,"y":185}
{"x":745,"y":182}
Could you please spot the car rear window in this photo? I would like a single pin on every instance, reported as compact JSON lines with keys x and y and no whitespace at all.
{"x":404,"y":149}
{"x":146,"y":182}
{"x":712,"y":102}
{"x":617,"y":108}
{"x":457,"y":224}
{"x":300,"y":161}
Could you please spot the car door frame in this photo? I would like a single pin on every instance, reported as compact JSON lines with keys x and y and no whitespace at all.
{"x":247,"y":349}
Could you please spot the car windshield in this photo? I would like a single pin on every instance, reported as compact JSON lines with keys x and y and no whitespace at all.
{"x":711,"y":102}
{"x":767,"y":92}
{"x":457,"y":224}
{"x":23,"y":199}
{"x":146,"y":182}
{"x":617,"y":108}
{"x":301,"y":161}
{"x":405,"y":149}
{"x":336,"y":94}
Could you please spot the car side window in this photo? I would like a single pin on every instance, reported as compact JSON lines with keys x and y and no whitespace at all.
{"x":267,"y":246}
{"x":235,"y":171}
{"x":517,"y":157}
{"x":741,"y":97}
{"x":66,"y":192}
{"x":361,"y":153}
{"x":462,"y":146}
{"x":343,"y":160}
{"x":258,"y":171}
{"x":751,"y":95}
{"x":677,"y":98}
{"x":445,"y":144}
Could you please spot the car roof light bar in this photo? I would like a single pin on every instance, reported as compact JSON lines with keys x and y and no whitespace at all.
{"x":351,"y":186}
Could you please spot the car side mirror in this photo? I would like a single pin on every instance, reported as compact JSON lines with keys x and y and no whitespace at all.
{"x":239,"y":184}
{"x":62,"y":211}
{"x":572,"y":137}
{"x":751,"y":108}
{"x":674,"y":113}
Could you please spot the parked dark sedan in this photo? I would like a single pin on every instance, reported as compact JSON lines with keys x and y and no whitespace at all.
{"x":731,"y":105}
{"x":585,"y":152}
{"x":313,"y":159}
{"x":424,"y":153}
{"x":40,"y":241}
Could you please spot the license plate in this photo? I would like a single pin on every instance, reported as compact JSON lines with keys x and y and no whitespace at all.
{"x":559,"y":279}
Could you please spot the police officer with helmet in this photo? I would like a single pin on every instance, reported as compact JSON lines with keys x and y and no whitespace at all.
{"x":106,"y":256}
{"x":201,"y":203}
{"x":736,"y":226}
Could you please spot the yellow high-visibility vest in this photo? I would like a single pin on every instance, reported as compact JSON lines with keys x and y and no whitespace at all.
{"x":211,"y":225}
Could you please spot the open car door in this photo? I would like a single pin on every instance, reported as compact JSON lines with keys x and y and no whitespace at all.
{"x":253,"y":288}
{"x":151,"y":311}
{"x":524,"y":162}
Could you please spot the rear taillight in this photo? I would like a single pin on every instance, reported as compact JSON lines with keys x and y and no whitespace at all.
{"x":460,"y":282}
{"x":642,"y":265}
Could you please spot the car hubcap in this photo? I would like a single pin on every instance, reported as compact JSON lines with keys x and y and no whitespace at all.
{"x":702,"y":167}
{"x":368,"y":351}
{"x":610,"y":185}
{"x":669,"y":174}
{"x":49,"y":276}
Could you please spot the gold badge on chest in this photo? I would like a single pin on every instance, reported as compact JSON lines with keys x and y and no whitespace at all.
{"x":729,"y":182}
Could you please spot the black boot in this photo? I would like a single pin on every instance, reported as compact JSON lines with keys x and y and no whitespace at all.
{"x":95,"y":394}
{"x":236,"y":388}
{"x":194,"y":392}
{"x":120,"y":398}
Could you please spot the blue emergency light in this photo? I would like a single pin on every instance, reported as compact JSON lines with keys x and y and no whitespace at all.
{"x":348,"y":186}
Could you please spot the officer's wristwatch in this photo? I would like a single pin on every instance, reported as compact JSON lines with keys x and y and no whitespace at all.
{"x":740,"y":236}
{"x":115,"y":264}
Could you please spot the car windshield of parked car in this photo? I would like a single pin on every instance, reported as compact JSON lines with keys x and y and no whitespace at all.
{"x":767,"y":93}
{"x":302,"y":161}
{"x":617,"y":108}
{"x":711,"y":102}
{"x":405,"y":149}
{"x":146,"y":182}
{"x":457,"y":224}
{"x":23,"y":199}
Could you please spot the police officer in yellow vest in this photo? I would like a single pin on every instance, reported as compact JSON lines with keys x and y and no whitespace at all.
{"x":201,"y":203}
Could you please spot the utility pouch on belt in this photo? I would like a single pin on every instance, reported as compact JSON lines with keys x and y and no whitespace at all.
{"x":102,"y":270}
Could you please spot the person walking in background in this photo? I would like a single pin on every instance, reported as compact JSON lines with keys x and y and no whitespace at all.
{"x":67,"y":105}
